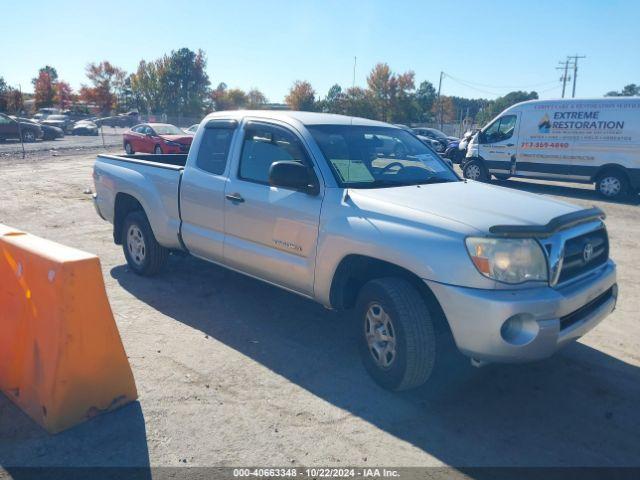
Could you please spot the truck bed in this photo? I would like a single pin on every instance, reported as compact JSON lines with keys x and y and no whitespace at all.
{"x":172,"y":161}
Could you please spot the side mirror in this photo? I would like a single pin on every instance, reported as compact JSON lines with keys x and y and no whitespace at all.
{"x":293,"y":175}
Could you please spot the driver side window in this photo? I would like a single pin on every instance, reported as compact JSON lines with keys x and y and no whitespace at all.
{"x":500,"y":130}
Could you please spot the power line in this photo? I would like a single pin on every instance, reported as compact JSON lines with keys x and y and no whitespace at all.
{"x":500,"y":87}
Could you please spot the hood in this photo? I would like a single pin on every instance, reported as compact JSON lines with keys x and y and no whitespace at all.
{"x":184,"y":139}
{"x":473,"y":204}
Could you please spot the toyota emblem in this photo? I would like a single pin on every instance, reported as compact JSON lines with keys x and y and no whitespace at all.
{"x":587,"y":252}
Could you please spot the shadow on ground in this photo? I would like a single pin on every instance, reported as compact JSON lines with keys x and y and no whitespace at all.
{"x":117,"y":439}
{"x":577,"y":408}
{"x":582,"y":192}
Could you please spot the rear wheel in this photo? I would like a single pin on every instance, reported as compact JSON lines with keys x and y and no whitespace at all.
{"x":612,"y":184}
{"x":144,"y":254}
{"x":128,"y":148}
{"x":397,"y":333}
{"x":157,"y":150}
{"x":475,"y":170}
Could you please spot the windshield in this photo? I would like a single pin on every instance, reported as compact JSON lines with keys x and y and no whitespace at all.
{"x":167,"y":130}
{"x":372,"y":157}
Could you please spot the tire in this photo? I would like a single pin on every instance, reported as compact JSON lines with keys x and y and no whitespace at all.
{"x":157,"y":150}
{"x":28,"y":136}
{"x":612,"y":184}
{"x":475,"y":170}
{"x":128,"y":148}
{"x":410,"y":360}
{"x":144,"y":254}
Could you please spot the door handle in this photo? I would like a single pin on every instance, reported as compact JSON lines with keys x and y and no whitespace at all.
{"x":234,"y":197}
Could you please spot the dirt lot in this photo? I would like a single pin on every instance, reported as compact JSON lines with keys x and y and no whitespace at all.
{"x":69,"y":144}
{"x":233,"y":372}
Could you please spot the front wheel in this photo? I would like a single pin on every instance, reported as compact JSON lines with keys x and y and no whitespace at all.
{"x":144,"y":254}
{"x":398,"y":336}
{"x":157,"y":150}
{"x":475,"y":170}
{"x":128,"y":148}
{"x":612,"y":185}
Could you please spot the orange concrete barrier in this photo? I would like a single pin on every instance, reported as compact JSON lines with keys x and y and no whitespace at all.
{"x":61,"y":357}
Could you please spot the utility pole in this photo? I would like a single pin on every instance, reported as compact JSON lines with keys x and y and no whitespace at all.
{"x":575,"y":71}
{"x":565,"y":78}
{"x":439,"y":100}
{"x":355,"y":59}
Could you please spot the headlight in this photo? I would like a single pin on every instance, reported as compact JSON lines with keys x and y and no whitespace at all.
{"x":508,"y":260}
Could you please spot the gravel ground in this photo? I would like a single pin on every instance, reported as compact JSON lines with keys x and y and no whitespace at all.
{"x":233,"y":372}
{"x":69,"y":144}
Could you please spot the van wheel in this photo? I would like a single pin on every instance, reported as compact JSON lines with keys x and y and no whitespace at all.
{"x":144,"y":254}
{"x":612,"y":184}
{"x":397,"y":335}
{"x":475,"y":170}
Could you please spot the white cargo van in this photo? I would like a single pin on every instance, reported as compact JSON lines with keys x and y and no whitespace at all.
{"x":576,"y":140}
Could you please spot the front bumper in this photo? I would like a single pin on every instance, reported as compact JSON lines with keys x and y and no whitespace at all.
{"x":543,"y":319}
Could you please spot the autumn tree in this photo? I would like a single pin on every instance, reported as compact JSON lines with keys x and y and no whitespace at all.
{"x":63,"y":94}
{"x":392,"y":94}
{"x":11,"y":100}
{"x":106,"y":82}
{"x":44,"y":87}
{"x":301,"y":96}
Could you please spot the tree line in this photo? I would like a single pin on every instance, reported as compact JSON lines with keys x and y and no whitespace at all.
{"x":177,"y":84}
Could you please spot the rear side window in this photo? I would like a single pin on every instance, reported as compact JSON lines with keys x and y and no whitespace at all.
{"x":214,"y":150}
{"x":265,"y":144}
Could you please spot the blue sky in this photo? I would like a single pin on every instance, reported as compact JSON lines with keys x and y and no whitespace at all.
{"x":491,"y":46}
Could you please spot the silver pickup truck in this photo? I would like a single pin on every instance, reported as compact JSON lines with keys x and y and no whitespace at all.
{"x":361,"y":215}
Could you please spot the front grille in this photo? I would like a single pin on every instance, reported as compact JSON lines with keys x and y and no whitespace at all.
{"x":581,"y":313}
{"x":577,"y":261}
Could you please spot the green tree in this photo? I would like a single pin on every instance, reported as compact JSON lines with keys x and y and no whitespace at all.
{"x":301,"y":96}
{"x":631,"y":90}
{"x":255,"y":99}
{"x":359,"y":102}
{"x":185,"y":82}
{"x":425,"y":97}
{"x":494,"y":107}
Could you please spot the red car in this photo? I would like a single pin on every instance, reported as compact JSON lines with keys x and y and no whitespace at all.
{"x":156,"y":138}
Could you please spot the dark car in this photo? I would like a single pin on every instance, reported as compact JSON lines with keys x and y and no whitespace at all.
{"x":60,"y":121}
{"x":128,"y":119}
{"x":12,"y":129}
{"x":435,"y":134}
{"x":48,"y":132}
